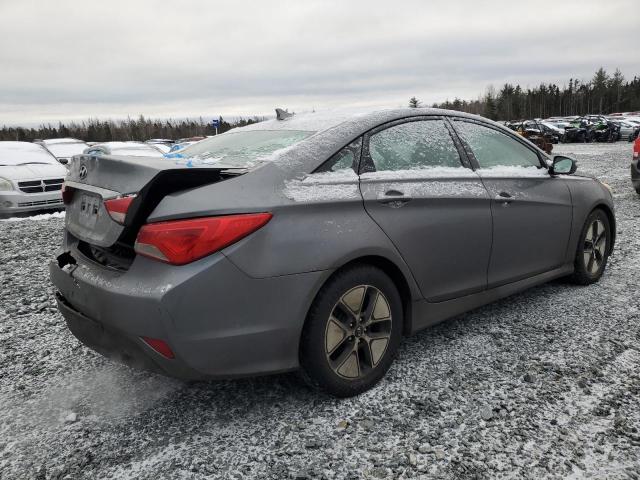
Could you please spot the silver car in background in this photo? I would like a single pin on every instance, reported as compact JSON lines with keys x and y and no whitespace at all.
{"x":129,"y":149}
{"x":30,"y":178}
{"x":64,"y":148}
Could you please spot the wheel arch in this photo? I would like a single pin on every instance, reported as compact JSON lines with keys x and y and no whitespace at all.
{"x":397,"y":276}
{"x":612,"y":221}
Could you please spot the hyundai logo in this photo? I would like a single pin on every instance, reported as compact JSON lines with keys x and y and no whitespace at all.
{"x":83,"y":172}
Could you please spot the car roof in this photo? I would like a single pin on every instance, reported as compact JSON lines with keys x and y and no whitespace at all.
{"x":320,"y":121}
{"x":54,"y":141}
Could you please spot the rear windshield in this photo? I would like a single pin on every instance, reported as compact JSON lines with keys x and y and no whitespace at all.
{"x":241,"y":149}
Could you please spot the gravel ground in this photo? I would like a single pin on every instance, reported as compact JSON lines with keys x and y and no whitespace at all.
{"x":544,"y":384}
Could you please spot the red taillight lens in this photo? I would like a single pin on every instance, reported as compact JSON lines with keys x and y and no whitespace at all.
{"x":183,"y":241}
{"x":67,"y":193}
{"x":159,"y":346}
{"x":117,"y":207}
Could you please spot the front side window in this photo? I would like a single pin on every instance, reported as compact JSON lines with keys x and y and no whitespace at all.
{"x":494,"y":149}
{"x":412,"y":145}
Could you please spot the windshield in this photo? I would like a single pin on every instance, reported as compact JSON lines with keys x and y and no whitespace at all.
{"x":241,"y":149}
{"x":22,"y":154}
{"x":67,"y":149}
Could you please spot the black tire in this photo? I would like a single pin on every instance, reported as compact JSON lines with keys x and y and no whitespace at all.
{"x":585,"y":272}
{"x":354,"y":345}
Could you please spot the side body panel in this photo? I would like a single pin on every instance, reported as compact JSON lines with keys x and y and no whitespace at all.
{"x":443,"y":232}
{"x":532,"y":219}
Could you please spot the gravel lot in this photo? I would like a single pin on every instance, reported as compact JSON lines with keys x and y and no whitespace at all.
{"x":544,"y":384}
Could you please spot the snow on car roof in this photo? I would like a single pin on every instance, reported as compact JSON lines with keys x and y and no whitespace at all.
{"x":127,"y":145}
{"x":321,"y":120}
{"x":56,"y":141}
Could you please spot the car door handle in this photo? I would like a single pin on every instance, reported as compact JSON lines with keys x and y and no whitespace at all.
{"x":394,"y":198}
{"x":504,"y":197}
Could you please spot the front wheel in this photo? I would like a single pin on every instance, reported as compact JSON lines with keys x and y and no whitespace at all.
{"x":352,"y":332}
{"x":593,"y":249}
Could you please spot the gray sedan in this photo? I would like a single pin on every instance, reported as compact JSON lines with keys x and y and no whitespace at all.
{"x":315,"y":242}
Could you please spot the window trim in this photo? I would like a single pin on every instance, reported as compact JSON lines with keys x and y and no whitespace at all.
{"x":469,"y":152}
{"x":357,"y":160}
{"x":364,"y":153}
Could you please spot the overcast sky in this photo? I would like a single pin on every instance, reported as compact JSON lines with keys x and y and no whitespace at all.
{"x":71,"y":59}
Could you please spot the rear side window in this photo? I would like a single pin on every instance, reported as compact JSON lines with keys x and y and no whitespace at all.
{"x":347,"y":158}
{"x":413,"y":145}
{"x":494,"y":149}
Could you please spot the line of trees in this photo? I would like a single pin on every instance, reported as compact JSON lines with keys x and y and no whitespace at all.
{"x":123,"y":130}
{"x":603,"y":94}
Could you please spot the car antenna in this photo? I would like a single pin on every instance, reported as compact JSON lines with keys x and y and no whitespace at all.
{"x":282,"y":114}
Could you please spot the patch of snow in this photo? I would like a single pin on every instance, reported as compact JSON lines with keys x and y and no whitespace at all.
{"x":339,"y":176}
{"x":324,"y":186}
{"x":42,"y":216}
{"x":512,"y":172}
{"x":420,"y":173}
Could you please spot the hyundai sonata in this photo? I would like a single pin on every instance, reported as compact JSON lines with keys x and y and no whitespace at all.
{"x":315,"y":242}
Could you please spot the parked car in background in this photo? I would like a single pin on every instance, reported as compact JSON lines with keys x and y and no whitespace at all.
{"x":162,"y":147}
{"x":316,"y":241}
{"x":64,"y":148}
{"x":162,"y":144}
{"x":30,"y":178}
{"x":184,"y":142}
{"x":133,"y":149}
{"x":628,"y":130}
{"x":635,"y":165}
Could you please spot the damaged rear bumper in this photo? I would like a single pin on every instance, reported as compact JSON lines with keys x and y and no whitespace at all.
{"x":218,"y":321}
{"x":120,"y":346}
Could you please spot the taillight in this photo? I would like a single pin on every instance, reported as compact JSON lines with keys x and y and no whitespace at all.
{"x":117,"y":207}
{"x":159,"y":346}
{"x":183,"y":241}
{"x":67,"y":193}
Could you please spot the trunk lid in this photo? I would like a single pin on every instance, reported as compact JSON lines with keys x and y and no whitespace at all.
{"x":95,"y":179}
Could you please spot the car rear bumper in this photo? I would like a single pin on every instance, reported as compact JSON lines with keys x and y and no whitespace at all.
{"x":15,"y":201}
{"x":218,"y":321}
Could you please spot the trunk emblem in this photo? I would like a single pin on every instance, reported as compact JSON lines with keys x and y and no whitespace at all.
{"x":83,"y":172}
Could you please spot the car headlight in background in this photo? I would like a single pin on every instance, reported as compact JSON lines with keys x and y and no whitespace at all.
{"x":5,"y":185}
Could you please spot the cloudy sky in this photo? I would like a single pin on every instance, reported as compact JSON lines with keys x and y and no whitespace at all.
{"x":72,"y":59}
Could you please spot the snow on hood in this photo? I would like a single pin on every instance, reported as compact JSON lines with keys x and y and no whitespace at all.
{"x":33,"y":171}
{"x":19,"y":153}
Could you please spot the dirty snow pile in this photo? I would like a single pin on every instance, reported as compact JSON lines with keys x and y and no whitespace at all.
{"x":545,"y":384}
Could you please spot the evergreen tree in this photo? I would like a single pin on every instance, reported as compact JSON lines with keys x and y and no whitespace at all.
{"x":414,"y":102}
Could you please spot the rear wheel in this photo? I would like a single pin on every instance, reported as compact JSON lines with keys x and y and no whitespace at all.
{"x":593,"y":249}
{"x":352,"y":332}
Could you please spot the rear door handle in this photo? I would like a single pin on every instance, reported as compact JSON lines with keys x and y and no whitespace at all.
{"x":504,"y":197}
{"x":394,"y":198}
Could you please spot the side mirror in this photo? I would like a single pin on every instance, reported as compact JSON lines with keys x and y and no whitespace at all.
{"x":563,"y":165}
{"x":63,"y":161}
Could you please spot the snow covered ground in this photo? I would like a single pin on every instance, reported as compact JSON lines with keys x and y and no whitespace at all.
{"x":545,"y":384}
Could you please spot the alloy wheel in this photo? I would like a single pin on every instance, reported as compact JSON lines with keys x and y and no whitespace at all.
{"x":358,"y":331}
{"x":595,"y":247}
